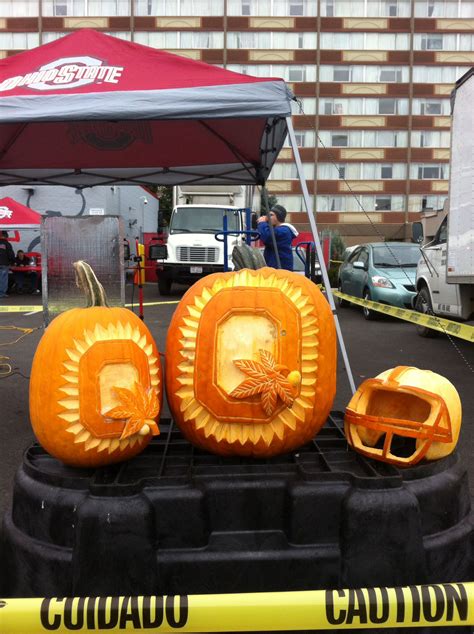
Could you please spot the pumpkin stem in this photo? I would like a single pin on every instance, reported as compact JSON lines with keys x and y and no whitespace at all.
{"x":87,"y":281}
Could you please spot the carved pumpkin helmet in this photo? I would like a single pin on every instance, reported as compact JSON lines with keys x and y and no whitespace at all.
{"x":404,"y":403}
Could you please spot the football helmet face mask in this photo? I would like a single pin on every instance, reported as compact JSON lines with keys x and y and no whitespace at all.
{"x":395,"y":405}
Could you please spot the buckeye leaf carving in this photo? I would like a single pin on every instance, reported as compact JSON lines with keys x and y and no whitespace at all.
{"x":267,"y":379}
{"x":138,"y":407}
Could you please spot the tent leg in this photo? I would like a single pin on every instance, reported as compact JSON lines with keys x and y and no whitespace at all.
{"x":319,"y":251}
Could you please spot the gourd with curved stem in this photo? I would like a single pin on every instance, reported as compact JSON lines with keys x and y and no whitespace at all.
{"x":96,"y":381}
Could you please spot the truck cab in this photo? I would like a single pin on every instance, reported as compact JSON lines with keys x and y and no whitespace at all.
{"x":435,"y":294}
{"x":192,"y":249}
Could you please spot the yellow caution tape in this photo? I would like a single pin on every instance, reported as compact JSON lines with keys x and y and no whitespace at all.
{"x":20,"y":309}
{"x":435,"y":605}
{"x":37,"y":309}
{"x":446,"y":326}
{"x":174,"y":301}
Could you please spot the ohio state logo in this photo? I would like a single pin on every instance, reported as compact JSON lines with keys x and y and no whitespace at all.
{"x":5,"y":213}
{"x":66,"y":73}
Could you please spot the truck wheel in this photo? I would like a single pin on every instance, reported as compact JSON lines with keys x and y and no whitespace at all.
{"x":423,"y":305}
{"x":370,"y":315}
{"x":164,"y":284}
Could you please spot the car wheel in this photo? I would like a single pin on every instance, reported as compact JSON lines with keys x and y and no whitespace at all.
{"x":343,"y":303}
{"x":164,"y":284}
{"x":423,"y":305}
{"x":370,"y":315}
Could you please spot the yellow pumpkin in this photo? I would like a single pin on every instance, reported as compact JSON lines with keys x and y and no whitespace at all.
{"x":96,"y":386}
{"x":251,"y":362}
{"x":409,"y":403}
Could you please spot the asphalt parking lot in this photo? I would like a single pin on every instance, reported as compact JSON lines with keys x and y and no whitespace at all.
{"x":372,"y":347}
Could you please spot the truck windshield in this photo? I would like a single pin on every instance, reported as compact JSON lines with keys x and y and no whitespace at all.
{"x":195,"y":219}
{"x":394,"y":256}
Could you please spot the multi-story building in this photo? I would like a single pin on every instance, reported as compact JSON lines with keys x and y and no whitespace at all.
{"x":373,"y":78}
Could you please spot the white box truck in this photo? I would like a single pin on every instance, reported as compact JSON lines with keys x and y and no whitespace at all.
{"x":445,"y":272}
{"x":192,"y":249}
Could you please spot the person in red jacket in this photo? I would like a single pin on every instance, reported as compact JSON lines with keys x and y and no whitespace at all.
{"x":284,"y":234}
{"x":7,"y":257}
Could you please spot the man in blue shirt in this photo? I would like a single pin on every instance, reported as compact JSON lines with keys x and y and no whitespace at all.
{"x":284,"y":234}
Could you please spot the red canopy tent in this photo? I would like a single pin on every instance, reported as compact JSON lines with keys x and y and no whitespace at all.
{"x":14,"y":215}
{"x":89,"y":109}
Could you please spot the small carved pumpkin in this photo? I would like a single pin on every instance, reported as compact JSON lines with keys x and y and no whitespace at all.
{"x":251,"y":362}
{"x":402,"y":404}
{"x":96,"y":387}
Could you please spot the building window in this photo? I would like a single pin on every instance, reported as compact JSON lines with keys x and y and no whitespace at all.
{"x":364,"y":138}
{"x":383,"y":203}
{"x":300,"y":138}
{"x":359,"y":73}
{"x":430,"y":138}
{"x":432,"y":5}
{"x":432,"y":42}
{"x":18,"y":41}
{"x":390,"y":139}
{"x":288,"y":171}
{"x":433,"y":202}
{"x":440,"y":8}
{"x":180,"y":39}
{"x":390,"y":75}
{"x":430,"y":171}
{"x":246,"y":7}
{"x":336,"y":203}
{"x":431,"y":108}
{"x":329,"y":8}
{"x":60,"y":8}
{"x":172,"y":7}
{"x":387,"y":106}
{"x":304,"y":138}
{"x":342,"y":73}
{"x":386,"y":171}
{"x":270,"y":40}
{"x":365,"y":8}
{"x":296,"y":74}
{"x":339,"y":140}
{"x":417,"y":203}
{"x":365,"y":41}
{"x":437,"y":74}
{"x":308,"y":104}
{"x":426,"y":139}
{"x":19,"y":8}
{"x":296,"y":7}
{"x":391,"y":8}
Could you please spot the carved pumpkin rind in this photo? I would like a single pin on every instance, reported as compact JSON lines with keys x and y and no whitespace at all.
{"x":74,"y":378}
{"x":404,"y":402}
{"x":202,"y":388}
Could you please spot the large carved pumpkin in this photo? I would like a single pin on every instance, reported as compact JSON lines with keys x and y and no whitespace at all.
{"x":96,"y":387}
{"x":404,"y":415}
{"x":251,"y":362}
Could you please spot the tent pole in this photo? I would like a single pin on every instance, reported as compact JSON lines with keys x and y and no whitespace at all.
{"x":319,"y":251}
